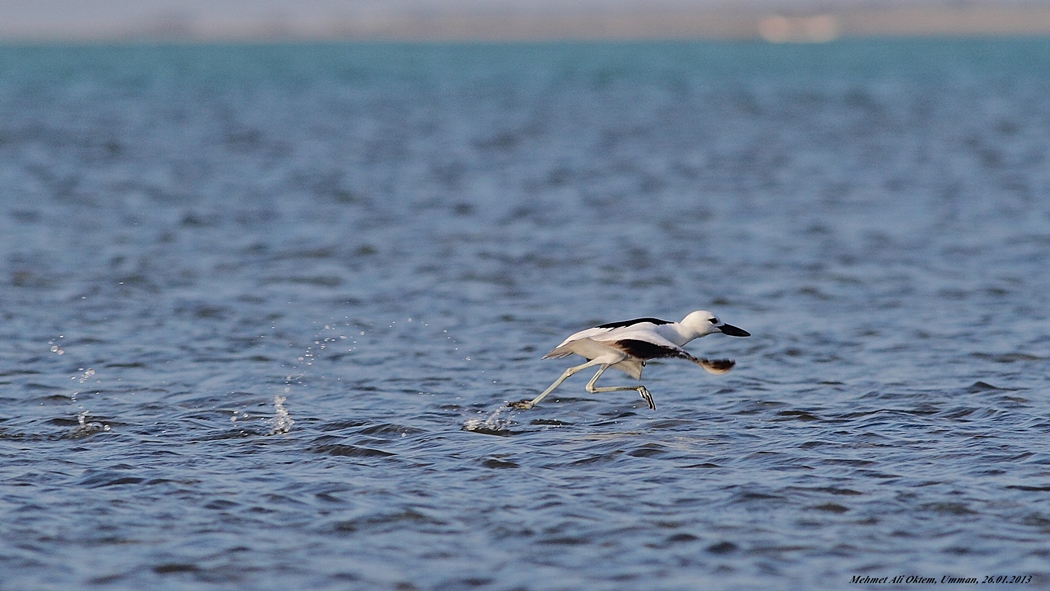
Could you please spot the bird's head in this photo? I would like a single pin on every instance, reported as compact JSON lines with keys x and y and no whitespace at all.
{"x":705,"y":323}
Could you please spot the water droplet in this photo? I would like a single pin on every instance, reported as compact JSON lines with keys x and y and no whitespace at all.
{"x":87,"y":374}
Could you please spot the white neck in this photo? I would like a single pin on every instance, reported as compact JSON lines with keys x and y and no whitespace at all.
{"x":677,"y":334}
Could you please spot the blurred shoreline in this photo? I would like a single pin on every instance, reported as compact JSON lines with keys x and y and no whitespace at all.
{"x":509,"y":24}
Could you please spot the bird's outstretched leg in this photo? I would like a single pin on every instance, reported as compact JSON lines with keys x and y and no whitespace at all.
{"x":640,"y":389}
{"x":527,"y":404}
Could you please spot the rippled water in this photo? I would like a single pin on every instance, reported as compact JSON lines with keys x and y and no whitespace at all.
{"x":254,"y":298}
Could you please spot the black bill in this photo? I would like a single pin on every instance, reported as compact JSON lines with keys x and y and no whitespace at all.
{"x":733,"y":331}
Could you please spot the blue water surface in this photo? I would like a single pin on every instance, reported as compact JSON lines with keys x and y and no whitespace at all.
{"x":261,"y":308}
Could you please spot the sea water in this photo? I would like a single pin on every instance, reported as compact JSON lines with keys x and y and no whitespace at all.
{"x":261,"y":308}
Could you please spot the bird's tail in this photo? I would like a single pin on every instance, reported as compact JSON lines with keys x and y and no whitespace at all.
{"x":557,"y":353}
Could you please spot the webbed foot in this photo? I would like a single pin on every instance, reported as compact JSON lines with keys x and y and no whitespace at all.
{"x":647,"y":396}
{"x":717,"y":366}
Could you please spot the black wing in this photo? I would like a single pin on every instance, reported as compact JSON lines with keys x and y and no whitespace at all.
{"x":646,"y":350}
{"x":623,"y":323}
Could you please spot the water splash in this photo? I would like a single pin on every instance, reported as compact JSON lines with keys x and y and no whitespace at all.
{"x":83,"y":378}
{"x":282,"y":421}
{"x":84,"y":428}
{"x":492,"y":425}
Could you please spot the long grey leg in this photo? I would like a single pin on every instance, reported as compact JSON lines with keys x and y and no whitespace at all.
{"x":527,"y":404}
{"x":640,"y":389}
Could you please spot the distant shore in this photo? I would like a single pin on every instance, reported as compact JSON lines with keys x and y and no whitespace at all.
{"x":963,"y":19}
{"x":722,"y":23}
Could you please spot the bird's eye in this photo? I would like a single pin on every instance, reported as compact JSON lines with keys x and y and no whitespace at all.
{"x":714,"y":321}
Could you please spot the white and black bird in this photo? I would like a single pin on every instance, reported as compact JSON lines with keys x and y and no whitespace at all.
{"x":627,"y":345}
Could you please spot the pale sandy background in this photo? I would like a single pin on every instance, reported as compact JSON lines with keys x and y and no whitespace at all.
{"x":774,"y":20}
